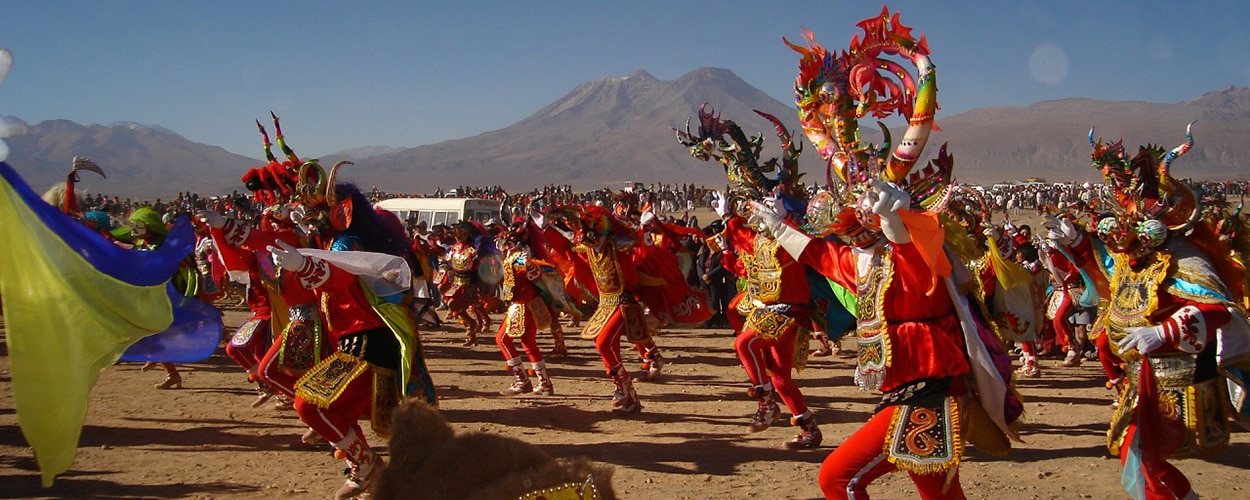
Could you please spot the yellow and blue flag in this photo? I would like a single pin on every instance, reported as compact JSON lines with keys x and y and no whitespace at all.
{"x":73,"y":302}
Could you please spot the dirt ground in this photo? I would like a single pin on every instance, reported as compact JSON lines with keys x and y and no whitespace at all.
{"x":206,"y":441}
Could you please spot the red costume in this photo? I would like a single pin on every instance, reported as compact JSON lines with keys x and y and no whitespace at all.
{"x":915,"y":339}
{"x":619,"y":315}
{"x":1069,"y":320}
{"x":1175,"y":291}
{"x":526,"y":313}
{"x":300,"y":343}
{"x":464,"y":289}
{"x":777,"y":310}
{"x":1176,"y":326}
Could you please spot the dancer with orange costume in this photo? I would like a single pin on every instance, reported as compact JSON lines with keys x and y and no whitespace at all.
{"x":772,"y":317}
{"x":777,"y":307}
{"x":913,"y":331}
{"x":663,"y":264}
{"x":377,"y":352}
{"x":252,"y":339}
{"x":359,"y":270}
{"x":607,"y":246}
{"x":300,"y":342}
{"x":528,"y":310}
{"x":919,"y":342}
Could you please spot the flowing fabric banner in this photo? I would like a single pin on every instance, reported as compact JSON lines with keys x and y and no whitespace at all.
{"x":73,"y":302}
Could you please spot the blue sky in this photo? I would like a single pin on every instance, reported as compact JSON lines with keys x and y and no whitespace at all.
{"x":348,"y":74}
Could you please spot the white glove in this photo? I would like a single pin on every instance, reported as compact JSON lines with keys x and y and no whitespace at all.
{"x":212,"y":218}
{"x":297,"y":218}
{"x":1010,"y":229}
{"x":647,"y":218}
{"x":886,"y":199}
{"x":1060,"y":230}
{"x":763,"y":216}
{"x":720,"y":204}
{"x":1186,"y":329}
{"x":286,"y":256}
{"x":1143,"y":338}
{"x":778,"y":207}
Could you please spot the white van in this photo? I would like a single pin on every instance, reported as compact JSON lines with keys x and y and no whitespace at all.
{"x":435,"y":211}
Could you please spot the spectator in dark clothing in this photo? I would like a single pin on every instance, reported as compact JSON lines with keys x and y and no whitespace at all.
{"x":721,"y":282}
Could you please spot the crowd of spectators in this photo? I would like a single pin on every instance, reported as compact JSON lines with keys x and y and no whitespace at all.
{"x":1014,"y":198}
{"x":234,"y":205}
{"x":672,"y":202}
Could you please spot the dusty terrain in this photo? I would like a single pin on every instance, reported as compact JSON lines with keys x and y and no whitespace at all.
{"x":206,"y":441}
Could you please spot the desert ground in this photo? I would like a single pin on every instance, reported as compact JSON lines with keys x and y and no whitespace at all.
{"x":206,"y":441}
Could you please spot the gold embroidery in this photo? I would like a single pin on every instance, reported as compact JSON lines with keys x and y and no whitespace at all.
{"x":764,"y":270}
{"x":244,"y":333}
{"x":594,"y":325}
{"x":1198,"y":407}
{"x":635,"y":330}
{"x":509,"y":274}
{"x":386,"y":396}
{"x":1134,"y":296}
{"x":607,"y":270}
{"x":567,"y":491}
{"x":768,"y":325}
{"x":327,"y":381}
{"x":514,"y":318}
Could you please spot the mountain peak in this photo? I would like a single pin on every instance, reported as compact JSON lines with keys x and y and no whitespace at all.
{"x":139,"y":127}
{"x":1231,"y":95}
{"x":709,"y":73}
{"x":640,"y":74}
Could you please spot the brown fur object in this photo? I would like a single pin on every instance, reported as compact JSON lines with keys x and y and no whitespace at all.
{"x":429,"y":461}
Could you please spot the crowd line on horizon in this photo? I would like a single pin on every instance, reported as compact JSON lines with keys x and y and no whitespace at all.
{"x":675,"y":201}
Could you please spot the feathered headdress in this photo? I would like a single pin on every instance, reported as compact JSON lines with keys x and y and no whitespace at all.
{"x":297,"y":180}
{"x":750,"y":178}
{"x":1142,"y":185}
{"x":833,"y":91}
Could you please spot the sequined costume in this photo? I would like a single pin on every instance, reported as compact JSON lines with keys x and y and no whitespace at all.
{"x":527,"y":312}
{"x":1176,"y":326}
{"x":777,"y":311}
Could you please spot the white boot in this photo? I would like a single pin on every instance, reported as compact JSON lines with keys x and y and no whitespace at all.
{"x":520,"y":381}
{"x":624,"y":400}
{"x":544,"y":386}
{"x":365,"y":466}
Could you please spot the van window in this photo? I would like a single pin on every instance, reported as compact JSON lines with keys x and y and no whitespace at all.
{"x":434,"y":211}
{"x":444,"y":217}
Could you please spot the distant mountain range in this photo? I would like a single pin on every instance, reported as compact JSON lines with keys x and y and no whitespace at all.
{"x":617,"y":129}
